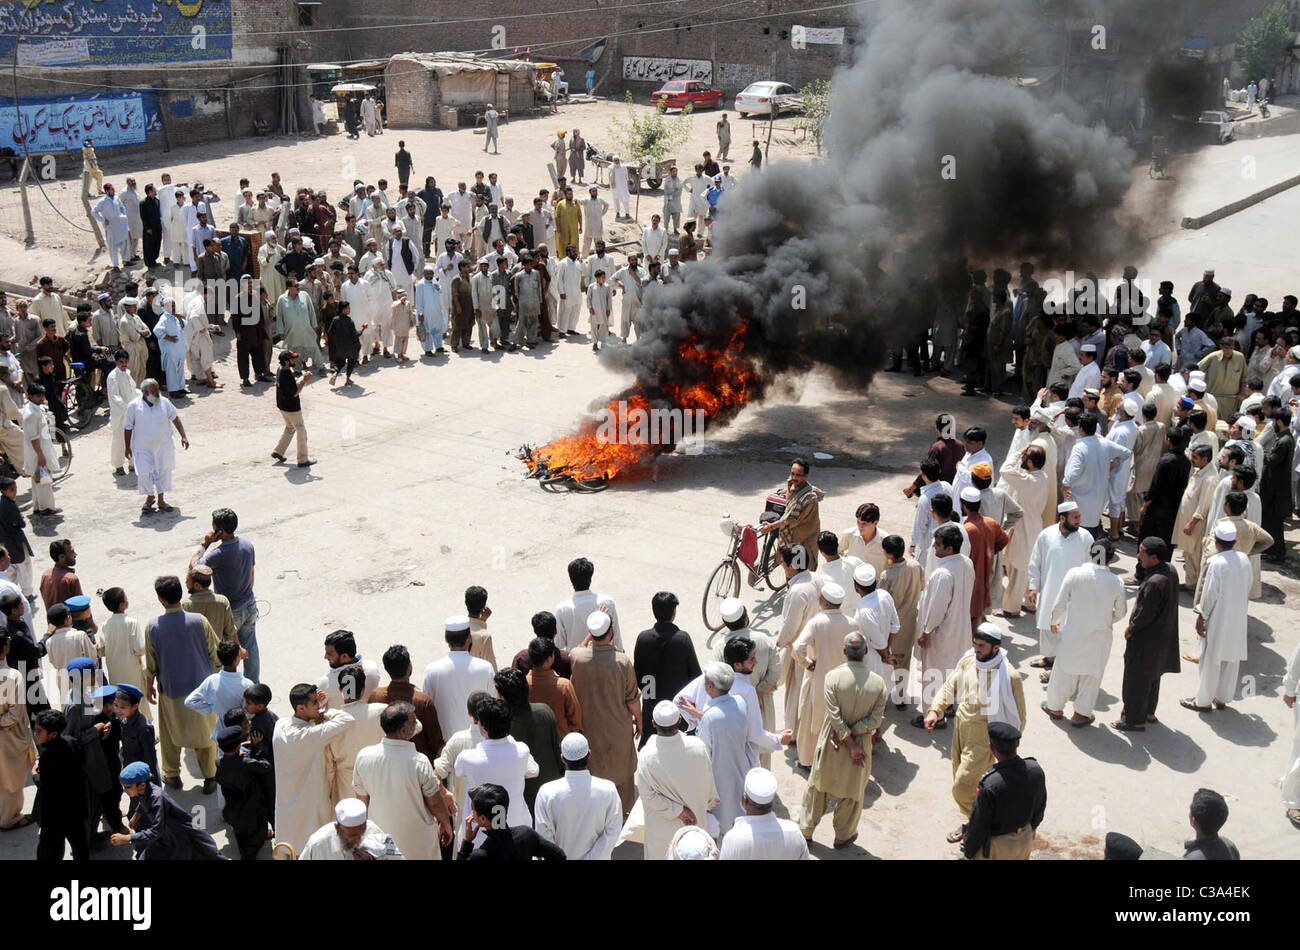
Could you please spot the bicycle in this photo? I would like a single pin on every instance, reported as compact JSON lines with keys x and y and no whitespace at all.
{"x":81,"y":396}
{"x":762,"y":564}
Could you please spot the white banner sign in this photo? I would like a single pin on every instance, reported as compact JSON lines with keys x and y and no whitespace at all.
{"x":54,"y":52}
{"x":659,"y":69}
{"x":833,"y":36}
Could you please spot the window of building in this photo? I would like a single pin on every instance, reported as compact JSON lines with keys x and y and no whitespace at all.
{"x":307,"y":14}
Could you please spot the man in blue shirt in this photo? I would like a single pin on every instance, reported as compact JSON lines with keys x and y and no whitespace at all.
{"x":237,"y":250}
{"x":232,"y":560}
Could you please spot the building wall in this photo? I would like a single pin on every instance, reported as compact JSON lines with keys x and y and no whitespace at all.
{"x":192,"y":98}
{"x":754,"y":44}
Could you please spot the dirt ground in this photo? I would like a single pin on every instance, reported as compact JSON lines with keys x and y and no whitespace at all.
{"x":417,"y":495}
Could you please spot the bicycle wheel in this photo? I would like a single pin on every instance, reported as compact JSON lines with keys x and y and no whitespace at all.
{"x":724,"y":582}
{"x":81,"y":405}
{"x":773,"y":570}
{"x":63,"y":463}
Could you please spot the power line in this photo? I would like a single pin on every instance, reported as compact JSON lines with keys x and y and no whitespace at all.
{"x":532,"y":47}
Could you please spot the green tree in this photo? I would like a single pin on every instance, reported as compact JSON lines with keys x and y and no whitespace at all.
{"x":816,"y":109}
{"x":1263,"y":41}
{"x":650,"y":137}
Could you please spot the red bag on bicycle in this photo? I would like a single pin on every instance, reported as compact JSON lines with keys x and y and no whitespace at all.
{"x":748,"y":552}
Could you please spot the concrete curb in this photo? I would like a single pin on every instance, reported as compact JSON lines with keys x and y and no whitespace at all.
{"x":1240,"y":205}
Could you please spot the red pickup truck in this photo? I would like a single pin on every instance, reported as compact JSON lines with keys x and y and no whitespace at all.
{"x":683,"y":92}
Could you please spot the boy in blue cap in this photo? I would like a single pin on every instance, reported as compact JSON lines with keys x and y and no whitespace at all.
{"x":98,"y":742}
{"x":163,"y":830}
{"x":138,"y":738}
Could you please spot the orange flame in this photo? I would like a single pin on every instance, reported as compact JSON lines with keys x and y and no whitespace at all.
{"x":715,"y":380}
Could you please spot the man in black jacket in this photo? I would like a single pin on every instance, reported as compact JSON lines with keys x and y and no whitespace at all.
{"x":1151,"y":640}
{"x":489,"y":805}
{"x":248,"y":787}
{"x":151,"y":222}
{"x":1010,"y":803}
{"x":664,"y":658}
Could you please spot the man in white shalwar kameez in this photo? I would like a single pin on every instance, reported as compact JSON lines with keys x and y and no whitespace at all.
{"x":627,"y":283}
{"x":834,"y":569}
{"x":618,"y":186}
{"x":1194,"y":512}
{"x":108,"y":211}
{"x":802,"y":601}
{"x":350,"y":837}
{"x":121,"y":393}
{"x":579,"y":813}
{"x":674,"y":780}
{"x":1291,"y":780}
{"x":302,"y":791}
{"x":176,"y":230}
{"x":148,"y":427}
{"x":923,"y":522}
{"x":1221,"y":609}
{"x":1026,"y":482}
{"x":1123,"y":434}
{"x":398,"y":784}
{"x":1087,"y":475}
{"x":724,"y":731}
{"x":876,"y":619}
{"x":199,"y":355}
{"x":943,"y":618}
{"x":819,"y":648}
{"x":498,"y":760}
{"x":1058,"y":549}
{"x":1090,"y":603}
{"x":759,"y":835}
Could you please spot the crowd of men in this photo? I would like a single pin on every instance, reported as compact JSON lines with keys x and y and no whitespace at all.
{"x":1140,"y":423}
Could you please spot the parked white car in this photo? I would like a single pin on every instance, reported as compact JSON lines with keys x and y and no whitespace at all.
{"x":1221,"y":126}
{"x":767,"y":97}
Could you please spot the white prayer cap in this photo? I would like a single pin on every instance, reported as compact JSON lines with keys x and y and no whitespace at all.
{"x":592,"y":188}
{"x":833,"y":593}
{"x":350,"y":812}
{"x":760,"y":786}
{"x":268,"y":235}
{"x":508,"y":198}
{"x":294,"y":231}
{"x":864,"y":574}
{"x":130,"y":302}
{"x":692,"y":843}
{"x":428,"y":269}
{"x":103,"y":296}
{"x":1129,"y":407}
{"x":970,"y":493}
{"x":1092,"y":392}
{"x":1196,"y":385}
{"x":598,"y":623}
{"x":1088,"y":348}
{"x":989,"y":631}
{"x":673,"y":252}
{"x":456,"y":624}
{"x":1196,"y":374}
{"x":319,"y":262}
{"x":398,"y":227}
{"x":732,"y":609}
{"x":574,"y":747}
{"x":666,"y":714}
{"x":1067,"y":506}
{"x":1294,"y":352}
{"x":1039,"y":414}
{"x":1227,"y":531}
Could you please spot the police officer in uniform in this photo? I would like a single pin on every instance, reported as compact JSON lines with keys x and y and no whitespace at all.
{"x":1010,"y":803}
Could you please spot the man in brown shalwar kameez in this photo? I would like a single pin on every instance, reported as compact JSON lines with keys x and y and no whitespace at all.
{"x":605,"y":683}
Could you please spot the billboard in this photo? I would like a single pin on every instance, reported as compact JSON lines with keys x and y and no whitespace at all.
{"x":114,"y":32}
{"x":665,"y":68}
{"x":45,"y":124}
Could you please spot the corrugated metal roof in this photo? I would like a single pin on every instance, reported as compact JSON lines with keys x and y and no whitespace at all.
{"x":447,"y":64}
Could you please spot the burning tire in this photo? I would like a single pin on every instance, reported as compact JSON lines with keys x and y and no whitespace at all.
{"x":724,"y":582}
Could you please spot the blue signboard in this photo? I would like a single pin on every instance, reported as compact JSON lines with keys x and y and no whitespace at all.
{"x":61,"y":124}
{"x":113,"y":32}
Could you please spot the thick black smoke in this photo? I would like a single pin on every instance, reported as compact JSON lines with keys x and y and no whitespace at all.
{"x":936,"y":155}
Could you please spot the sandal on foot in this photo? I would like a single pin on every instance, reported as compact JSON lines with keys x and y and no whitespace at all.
{"x":1054,"y":715}
{"x":1086,"y":722}
{"x":1122,"y":726}
{"x":956,"y":837}
{"x":166,"y":508}
{"x":146,"y":508}
{"x":1191,"y":704}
